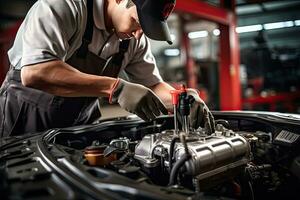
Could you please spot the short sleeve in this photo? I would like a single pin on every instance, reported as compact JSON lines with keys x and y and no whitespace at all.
{"x":142,"y":69}
{"x":46,"y":31}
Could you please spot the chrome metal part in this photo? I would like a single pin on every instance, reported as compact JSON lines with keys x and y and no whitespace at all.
{"x":211,"y":155}
{"x":175,"y":120}
{"x":186,"y":124}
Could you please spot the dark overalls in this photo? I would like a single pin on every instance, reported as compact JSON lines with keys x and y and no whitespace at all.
{"x":27,"y":110}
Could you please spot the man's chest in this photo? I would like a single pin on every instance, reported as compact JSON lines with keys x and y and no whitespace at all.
{"x":104,"y":44}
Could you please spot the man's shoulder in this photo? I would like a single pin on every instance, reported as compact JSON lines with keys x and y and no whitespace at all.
{"x":64,"y":9}
{"x":64,"y":4}
{"x":64,"y":1}
{"x":142,"y":43}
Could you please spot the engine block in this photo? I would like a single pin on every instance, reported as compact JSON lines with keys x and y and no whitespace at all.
{"x":211,"y":154}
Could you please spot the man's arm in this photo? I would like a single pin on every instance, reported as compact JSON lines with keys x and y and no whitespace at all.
{"x":162,"y":90}
{"x":58,"y":78}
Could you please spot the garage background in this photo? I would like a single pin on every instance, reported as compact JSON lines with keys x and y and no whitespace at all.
{"x":240,"y":54}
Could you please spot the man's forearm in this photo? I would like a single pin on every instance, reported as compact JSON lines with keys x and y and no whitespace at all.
{"x":59,"y":78}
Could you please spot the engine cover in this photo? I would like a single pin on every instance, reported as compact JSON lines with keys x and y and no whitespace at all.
{"x":211,"y":155}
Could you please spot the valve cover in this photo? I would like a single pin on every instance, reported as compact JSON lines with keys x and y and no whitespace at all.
{"x":211,"y":154}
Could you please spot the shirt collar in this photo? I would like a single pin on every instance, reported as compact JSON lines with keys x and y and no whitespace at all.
{"x":98,"y":10}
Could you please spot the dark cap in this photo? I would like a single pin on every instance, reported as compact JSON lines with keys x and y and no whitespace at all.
{"x":153,"y":16}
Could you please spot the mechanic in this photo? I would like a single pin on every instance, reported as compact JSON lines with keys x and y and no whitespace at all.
{"x":59,"y":69}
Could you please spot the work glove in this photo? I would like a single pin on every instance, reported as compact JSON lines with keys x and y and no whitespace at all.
{"x":200,"y":114}
{"x":137,"y":99}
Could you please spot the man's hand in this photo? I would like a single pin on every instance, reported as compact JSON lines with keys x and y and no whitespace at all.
{"x":137,"y":99}
{"x":200,"y":114}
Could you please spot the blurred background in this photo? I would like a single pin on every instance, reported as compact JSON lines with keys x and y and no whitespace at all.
{"x":240,"y":54}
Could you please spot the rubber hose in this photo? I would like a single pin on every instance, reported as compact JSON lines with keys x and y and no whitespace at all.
{"x":173,"y":141}
{"x":176,"y":168}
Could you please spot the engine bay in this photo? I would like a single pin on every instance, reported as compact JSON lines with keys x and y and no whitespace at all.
{"x":244,"y":158}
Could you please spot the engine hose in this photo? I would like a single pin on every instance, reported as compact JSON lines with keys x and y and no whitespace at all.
{"x":159,"y":145}
{"x":247,"y":189}
{"x":172,"y":145}
{"x":176,"y":168}
{"x":184,"y":143}
{"x":251,"y":196}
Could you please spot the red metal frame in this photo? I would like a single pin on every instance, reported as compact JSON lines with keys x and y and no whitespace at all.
{"x":286,"y":98}
{"x":229,"y":81}
{"x":203,"y":10}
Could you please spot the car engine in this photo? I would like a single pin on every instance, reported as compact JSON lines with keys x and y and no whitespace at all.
{"x":201,"y":157}
{"x":233,"y":164}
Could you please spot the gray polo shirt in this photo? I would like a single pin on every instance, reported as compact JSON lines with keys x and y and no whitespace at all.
{"x":53,"y":29}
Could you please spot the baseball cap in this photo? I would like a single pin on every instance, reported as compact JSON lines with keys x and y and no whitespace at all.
{"x":153,"y":16}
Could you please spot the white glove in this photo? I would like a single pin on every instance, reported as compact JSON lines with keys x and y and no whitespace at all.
{"x":137,"y":99}
{"x":200,"y":114}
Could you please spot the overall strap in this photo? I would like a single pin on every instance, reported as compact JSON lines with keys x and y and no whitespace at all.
{"x":123,"y":47}
{"x":88,"y":33}
{"x":113,"y":69}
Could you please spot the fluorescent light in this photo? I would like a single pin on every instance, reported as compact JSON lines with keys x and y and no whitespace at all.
{"x":216,"y":32}
{"x":172,"y":52}
{"x":197,"y":34}
{"x":297,"y":22}
{"x":278,"y":25}
{"x":173,"y":37}
{"x":268,"y":26}
{"x":251,"y":28}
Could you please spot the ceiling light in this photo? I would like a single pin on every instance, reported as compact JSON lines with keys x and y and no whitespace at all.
{"x":197,"y":34}
{"x":251,"y":28}
{"x":171,"y":52}
{"x":173,"y":37}
{"x":277,"y":25}
{"x":297,"y":22}
{"x":216,"y":32}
